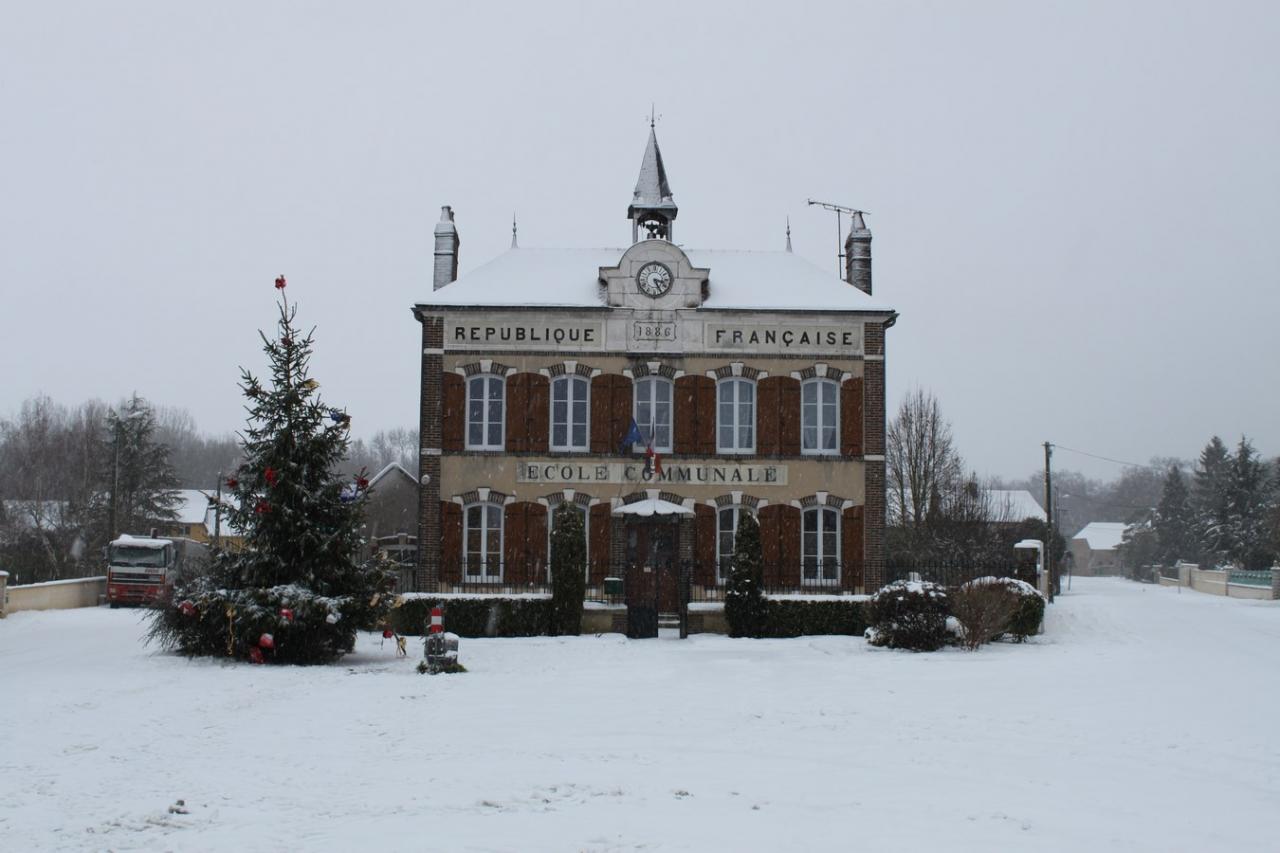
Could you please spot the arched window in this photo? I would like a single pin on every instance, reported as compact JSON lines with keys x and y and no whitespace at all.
{"x":485,"y":418}
{"x":569,"y":408}
{"x":820,"y":546}
{"x":482,"y":542}
{"x":727,"y":519}
{"x":653,"y":411}
{"x":569,"y":506}
{"x":819,"y":416}
{"x":736,"y":416}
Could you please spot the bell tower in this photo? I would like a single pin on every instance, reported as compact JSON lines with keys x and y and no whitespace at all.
{"x":652,"y":207}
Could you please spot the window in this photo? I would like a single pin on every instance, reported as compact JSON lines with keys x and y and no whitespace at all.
{"x":820,"y":546}
{"x":653,"y":411}
{"x":569,"y":413}
{"x":482,"y":542}
{"x":484,"y":412}
{"x":736,"y":416}
{"x":726,"y":537}
{"x":819,"y":416}
{"x":586,"y":538}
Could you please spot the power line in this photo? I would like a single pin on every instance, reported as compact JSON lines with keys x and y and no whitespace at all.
{"x":1108,"y":458}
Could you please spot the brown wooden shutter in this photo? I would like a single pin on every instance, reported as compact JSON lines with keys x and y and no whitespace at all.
{"x":767,"y":416}
{"x":514,"y":568}
{"x":598,"y":542}
{"x":851,"y":548}
{"x":706,"y":415}
{"x":851,"y":417}
{"x":536,"y":542}
{"x":621,"y":407}
{"x":517,"y":404}
{"x":538,"y":436}
{"x":788,"y":415}
{"x":450,"y":541}
{"x":768,"y":517}
{"x":685,"y":402}
{"x":453,"y":412}
{"x":601,"y":407}
{"x":704,"y":570}
{"x":789,"y":519}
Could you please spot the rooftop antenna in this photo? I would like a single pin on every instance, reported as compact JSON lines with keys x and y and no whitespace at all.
{"x":840,"y":210}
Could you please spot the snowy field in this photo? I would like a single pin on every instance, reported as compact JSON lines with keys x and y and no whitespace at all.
{"x":1144,"y":719}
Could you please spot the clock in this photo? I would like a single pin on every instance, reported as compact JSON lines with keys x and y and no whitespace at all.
{"x":654,"y":279}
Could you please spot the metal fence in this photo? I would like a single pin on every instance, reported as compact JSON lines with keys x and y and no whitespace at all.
{"x":1244,"y":577}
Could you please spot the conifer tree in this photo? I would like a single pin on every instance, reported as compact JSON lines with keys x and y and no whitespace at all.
{"x":137,"y":484}
{"x":1210,"y":498}
{"x":568,"y":571}
{"x":1174,"y":521}
{"x":744,"y":605}
{"x":295,"y":592}
{"x":1248,"y":508}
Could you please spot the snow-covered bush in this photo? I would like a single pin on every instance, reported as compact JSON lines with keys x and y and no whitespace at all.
{"x":983,"y":611}
{"x":474,"y":617}
{"x":908,"y":615}
{"x":1025,"y":606}
{"x":568,"y":571}
{"x":744,"y":605}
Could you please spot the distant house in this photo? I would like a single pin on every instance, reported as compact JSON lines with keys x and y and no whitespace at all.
{"x":198,"y":519}
{"x":391,"y":517}
{"x":1095,"y":550}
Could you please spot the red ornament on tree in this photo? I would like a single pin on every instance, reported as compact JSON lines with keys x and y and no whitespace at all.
{"x":362,"y":483}
{"x":280,"y":282}
{"x":286,"y":614}
{"x":187,"y":608}
{"x":262,"y":507}
{"x":271,"y":476}
{"x":232,"y":482}
{"x":267,"y":641}
{"x":255,"y":655}
{"x":387,"y":633}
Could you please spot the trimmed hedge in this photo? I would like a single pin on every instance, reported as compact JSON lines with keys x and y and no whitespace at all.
{"x":475,"y":617}
{"x":784,"y":618}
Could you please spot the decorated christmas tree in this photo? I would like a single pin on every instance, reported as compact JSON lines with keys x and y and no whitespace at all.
{"x":296,"y":592}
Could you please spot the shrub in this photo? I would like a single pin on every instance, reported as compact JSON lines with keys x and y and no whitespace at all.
{"x":568,"y":571}
{"x":983,"y":610}
{"x":1026,"y":606}
{"x":787,"y":618}
{"x":908,"y":615}
{"x":744,"y":605}
{"x":474,"y":617}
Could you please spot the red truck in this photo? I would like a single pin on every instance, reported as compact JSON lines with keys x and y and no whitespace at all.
{"x":142,"y":569}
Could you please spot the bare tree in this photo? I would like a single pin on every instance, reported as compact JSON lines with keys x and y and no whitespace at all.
{"x":921,"y":461}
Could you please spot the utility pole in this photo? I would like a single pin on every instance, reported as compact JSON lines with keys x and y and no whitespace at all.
{"x":217,"y":515}
{"x":1048,"y":507}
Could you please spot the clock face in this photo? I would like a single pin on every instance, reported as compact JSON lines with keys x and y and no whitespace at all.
{"x":654,"y":279}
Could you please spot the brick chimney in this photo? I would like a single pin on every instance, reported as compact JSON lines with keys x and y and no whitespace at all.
{"x":857,"y":254}
{"x":447,"y":242}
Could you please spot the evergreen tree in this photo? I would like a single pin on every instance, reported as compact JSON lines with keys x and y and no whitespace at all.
{"x":1248,"y":508}
{"x":1174,"y":521}
{"x":1210,"y":498}
{"x":137,"y":484}
{"x":568,"y":571}
{"x":744,"y":604}
{"x":295,"y":593}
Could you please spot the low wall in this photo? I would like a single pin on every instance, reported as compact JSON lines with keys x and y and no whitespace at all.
{"x":1211,"y":581}
{"x":1217,"y":582}
{"x":55,"y":595}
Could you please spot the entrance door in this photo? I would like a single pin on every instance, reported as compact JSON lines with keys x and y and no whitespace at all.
{"x":652,"y":569}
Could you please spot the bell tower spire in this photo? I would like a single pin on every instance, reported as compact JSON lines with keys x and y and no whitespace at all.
{"x":652,"y":207}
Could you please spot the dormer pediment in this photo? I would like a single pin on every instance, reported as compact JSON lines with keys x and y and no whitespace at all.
{"x":654,"y":274}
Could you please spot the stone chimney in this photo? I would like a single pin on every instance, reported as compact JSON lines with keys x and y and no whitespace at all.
{"x":447,"y":242}
{"x":857,"y":254}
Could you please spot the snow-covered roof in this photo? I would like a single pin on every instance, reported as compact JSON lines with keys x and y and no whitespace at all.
{"x":1102,"y":535}
{"x":393,"y":466}
{"x":1016,"y":504}
{"x":569,"y":278}
{"x":192,"y":506}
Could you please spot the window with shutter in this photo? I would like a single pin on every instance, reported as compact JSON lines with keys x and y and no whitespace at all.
{"x":485,"y":423}
{"x":570,"y":407}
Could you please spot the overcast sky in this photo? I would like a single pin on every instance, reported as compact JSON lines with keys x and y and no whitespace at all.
{"x":1075,"y":206}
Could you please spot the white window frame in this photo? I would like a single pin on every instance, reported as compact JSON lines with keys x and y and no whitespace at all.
{"x":570,"y":382}
{"x":652,"y":382}
{"x":483,"y":575}
{"x":586,"y":537}
{"x":486,"y":422}
{"x":818,"y":383}
{"x":737,"y":383}
{"x":819,"y":559}
{"x":722,"y":560}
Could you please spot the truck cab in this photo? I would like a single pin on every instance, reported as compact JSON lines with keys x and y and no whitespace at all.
{"x":140,"y":570}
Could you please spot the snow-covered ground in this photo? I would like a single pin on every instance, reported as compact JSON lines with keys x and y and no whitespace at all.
{"x":1143,"y":720}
